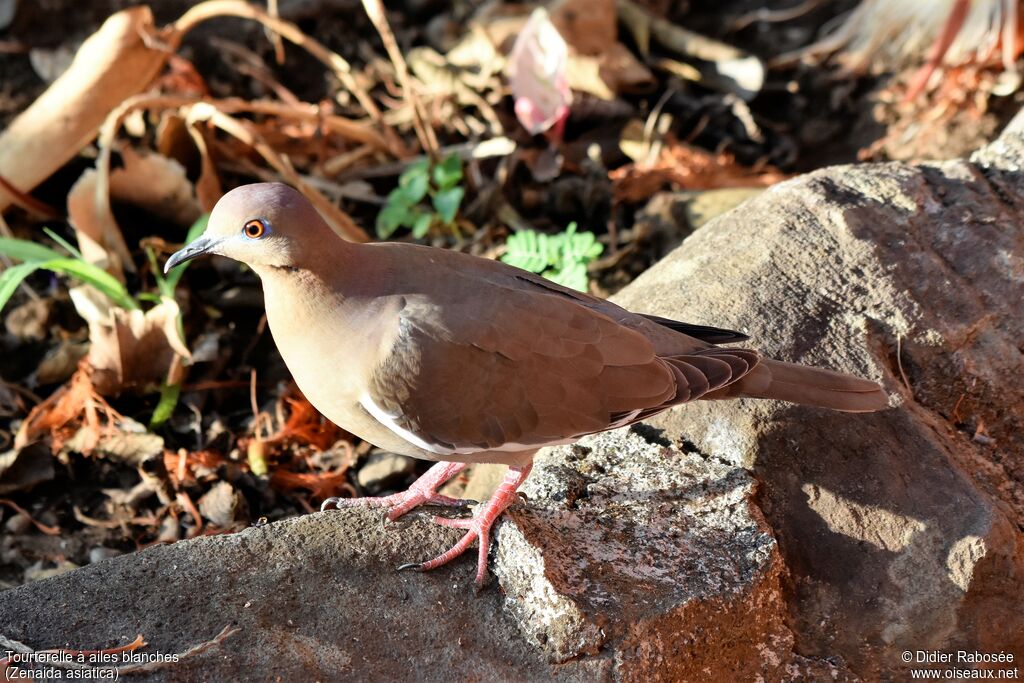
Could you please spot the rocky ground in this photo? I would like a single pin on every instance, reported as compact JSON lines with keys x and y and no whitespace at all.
{"x":723,"y":541}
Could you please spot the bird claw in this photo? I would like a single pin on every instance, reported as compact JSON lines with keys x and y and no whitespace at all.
{"x":328,"y":502}
{"x":424,"y":492}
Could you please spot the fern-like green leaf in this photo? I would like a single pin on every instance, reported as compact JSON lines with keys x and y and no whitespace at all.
{"x":528,"y":250}
{"x":561,"y":258}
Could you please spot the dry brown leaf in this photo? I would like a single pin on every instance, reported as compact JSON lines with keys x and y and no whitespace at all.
{"x":158,"y":185}
{"x":112,"y":64}
{"x":682,"y":166}
{"x":208,"y":187}
{"x":126,"y":442}
{"x":74,"y":405}
{"x":589,"y":26}
{"x":92,"y":229}
{"x":151,"y":182}
{"x":130,"y":349}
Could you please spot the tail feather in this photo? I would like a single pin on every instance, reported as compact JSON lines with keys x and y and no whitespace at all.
{"x":808,"y":386}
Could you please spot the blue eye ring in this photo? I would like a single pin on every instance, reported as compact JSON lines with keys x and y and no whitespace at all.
{"x":255,"y":229}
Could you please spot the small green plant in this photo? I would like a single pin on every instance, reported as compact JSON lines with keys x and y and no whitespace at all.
{"x":561,"y":258}
{"x":406,"y":206}
{"x":35,"y":257}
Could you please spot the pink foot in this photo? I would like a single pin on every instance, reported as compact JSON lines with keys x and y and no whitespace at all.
{"x":479,"y":526}
{"x":422,"y":492}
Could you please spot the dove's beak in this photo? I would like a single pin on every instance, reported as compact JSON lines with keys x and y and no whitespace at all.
{"x":198,"y":247}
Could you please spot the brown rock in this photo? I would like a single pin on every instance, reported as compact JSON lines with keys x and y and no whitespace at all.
{"x":902,"y":529}
{"x":648,"y":556}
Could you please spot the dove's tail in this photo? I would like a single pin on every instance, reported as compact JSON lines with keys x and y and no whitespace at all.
{"x":806,"y":385}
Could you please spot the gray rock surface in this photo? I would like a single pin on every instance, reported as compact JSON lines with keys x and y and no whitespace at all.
{"x":864,"y":535}
{"x":901,"y":530}
{"x":638,"y":551}
{"x":315,"y":597}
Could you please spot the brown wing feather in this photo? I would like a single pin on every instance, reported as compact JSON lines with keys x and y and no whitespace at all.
{"x":531,"y":369}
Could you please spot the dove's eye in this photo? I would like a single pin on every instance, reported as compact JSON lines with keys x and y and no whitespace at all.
{"x":255,"y":229}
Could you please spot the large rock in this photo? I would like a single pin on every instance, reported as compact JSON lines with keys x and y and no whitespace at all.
{"x":314,"y":598}
{"x":632,"y":558}
{"x":901,"y":530}
{"x":648,"y":556}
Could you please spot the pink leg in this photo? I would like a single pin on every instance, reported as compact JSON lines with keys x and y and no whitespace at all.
{"x":422,"y":492}
{"x":479,"y":526}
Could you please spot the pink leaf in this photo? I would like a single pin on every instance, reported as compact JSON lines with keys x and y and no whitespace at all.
{"x":537,"y":74}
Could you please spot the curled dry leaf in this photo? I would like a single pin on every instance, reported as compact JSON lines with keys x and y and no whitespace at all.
{"x":537,"y":73}
{"x":158,"y":185}
{"x":112,"y":64}
{"x":682,"y":166}
{"x":130,"y":349}
{"x":222,"y":505}
{"x":151,"y":182}
{"x":127,"y":441}
{"x":62,"y":413}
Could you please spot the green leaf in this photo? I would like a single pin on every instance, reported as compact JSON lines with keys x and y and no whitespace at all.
{"x":572,"y":275}
{"x":95,"y":276}
{"x":72,"y":249}
{"x":448,"y":173}
{"x":527,"y":249}
{"x":414,"y":182}
{"x":12,"y":277}
{"x":561,"y":258}
{"x":446,"y":203}
{"x":39,"y":256}
{"x":24,"y":250}
{"x":169,"y":394}
{"x":162,"y":283}
{"x":408,"y":196}
{"x":391,"y":218}
{"x":421,"y":226}
{"x":583,"y":247}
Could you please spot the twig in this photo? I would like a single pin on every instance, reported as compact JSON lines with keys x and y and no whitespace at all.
{"x":771,"y":16}
{"x":45,"y":528}
{"x":899,"y":364}
{"x":276,"y":37}
{"x":494,"y":147}
{"x":19,"y":648}
{"x":340,"y":222}
{"x":252,"y":65}
{"x":292,"y":33}
{"x":428,"y":139}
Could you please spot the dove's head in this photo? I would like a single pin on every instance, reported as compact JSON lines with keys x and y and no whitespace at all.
{"x":268,"y":226}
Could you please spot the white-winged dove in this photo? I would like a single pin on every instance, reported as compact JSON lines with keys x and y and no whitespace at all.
{"x":456,"y":359}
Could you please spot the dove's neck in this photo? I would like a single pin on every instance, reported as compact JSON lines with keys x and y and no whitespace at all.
{"x":331,"y":306}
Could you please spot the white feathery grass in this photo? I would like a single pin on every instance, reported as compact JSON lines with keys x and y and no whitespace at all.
{"x":887,"y":35}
